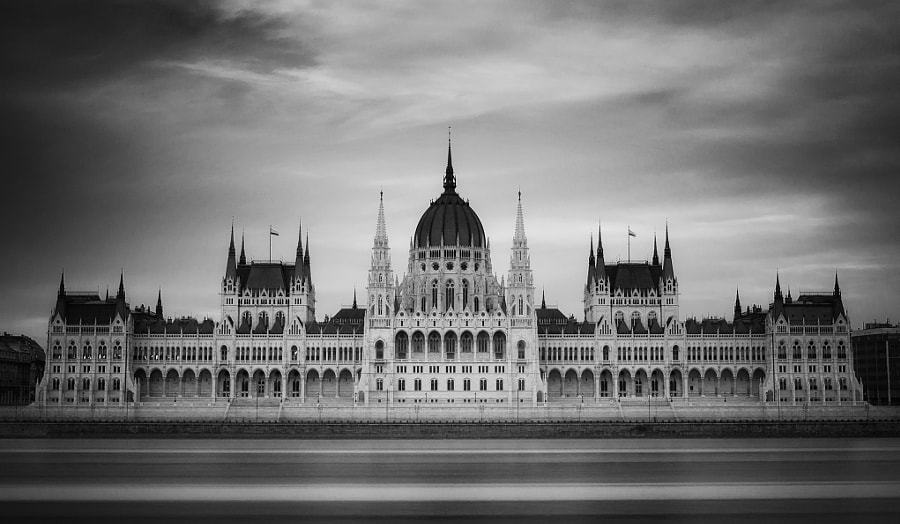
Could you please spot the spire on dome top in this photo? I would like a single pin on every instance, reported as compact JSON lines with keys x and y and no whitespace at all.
{"x":449,"y":178}
{"x":243,"y":260}
{"x":655,"y":252}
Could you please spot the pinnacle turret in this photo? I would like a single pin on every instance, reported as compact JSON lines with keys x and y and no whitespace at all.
{"x":601,"y":264}
{"x":668,"y":269}
{"x":449,"y":178}
{"x":159,"y":306}
{"x":655,"y":252}
{"x":231,"y":264}
{"x":243,"y":260}
{"x":737,"y":304}
{"x":299,"y":273}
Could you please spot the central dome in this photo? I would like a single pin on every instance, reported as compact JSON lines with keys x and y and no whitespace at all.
{"x":449,"y":221}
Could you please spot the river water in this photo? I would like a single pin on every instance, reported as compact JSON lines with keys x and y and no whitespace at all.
{"x":672,"y":480}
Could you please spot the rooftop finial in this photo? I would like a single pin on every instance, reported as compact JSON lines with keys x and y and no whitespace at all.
{"x":449,"y":178}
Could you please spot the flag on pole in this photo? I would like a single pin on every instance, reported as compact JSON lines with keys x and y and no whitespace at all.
{"x":630,"y":233}
{"x":272,"y":231}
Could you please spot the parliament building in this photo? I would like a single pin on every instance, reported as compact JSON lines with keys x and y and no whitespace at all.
{"x":447,"y":332}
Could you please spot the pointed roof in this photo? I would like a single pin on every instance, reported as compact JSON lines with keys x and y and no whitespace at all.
{"x":243,"y":259}
{"x":299,"y":274}
{"x":307,"y":270}
{"x":600,"y":273}
{"x":121,"y":306}
{"x":543,"y":300}
{"x":737,"y":304}
{"x":121,"y":293}
{"x":231,"y":264}
{"x":837,"y":287}
{"x":354,"y":298}
{"x":592,"y":265}
{"x":668,"y":269}
{"x":159,"y":307}
{"x":655,"y":252}
{"x":62,"y":285}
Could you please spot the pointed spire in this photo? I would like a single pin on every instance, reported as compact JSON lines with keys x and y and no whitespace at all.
{"x":600,"y":272}
{"x":838,"y":301}
{"x":62,"y":285}
{"x":543,"y":300}
{"x":837,"y":287}
{"x":592,"y":265}
{"x":107,"y":293}
{"x":307,"y":270}
{"x":381,"y":238}
{"x":519,"y":239}
{"x":121,"y":293}
{"x":299,"y":273}
{"x":354,"y":297}
{"x":789,"y":298}
{"x":737,"y":304}
{"x":449,"y":178}
{"x":655,"y":252}
{"x":231,"y":265}
{"x":159,"y":307}
{"x":243,"y":260}
{"x":668,"y":269}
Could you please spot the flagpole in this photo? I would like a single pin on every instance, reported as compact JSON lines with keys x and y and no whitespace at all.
{"x":629,"y":244}
{"x":270,"y":242}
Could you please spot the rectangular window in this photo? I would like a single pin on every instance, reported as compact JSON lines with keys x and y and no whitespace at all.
{"x":522,"y":384}
{"x":434,"y":384}
{"x":401,"y":384}
{"x":467,"y":385}
{"x":417,"y":384}
{"x":482,"y":384}
{"x":499,"y":384}
{"x":379,"y":384}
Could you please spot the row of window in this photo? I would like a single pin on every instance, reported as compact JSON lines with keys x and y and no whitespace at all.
{"x":87,"y":351}
{"x":86,"y":384}
{"x":811,"y":352}
{"x":169,"y":354}
{"x":813,"y":384}
{"x":450,"y":384}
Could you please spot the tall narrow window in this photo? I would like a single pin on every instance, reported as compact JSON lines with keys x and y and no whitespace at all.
{"x":465,"y":293}
{"x":434,"y":294}
{"x":449,"y":295}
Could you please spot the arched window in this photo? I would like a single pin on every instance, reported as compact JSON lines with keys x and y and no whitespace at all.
{"x":605,"y":352}
{"x":635,"y":318}
{"x":57,"y":351}
{"x":72,"y":352}
{"x":223,"y":354}
{"x":117,"y":350}
{"x":448,"y":296}
{"x":101,"y":384}
{"x":484,"y":342}
{"x":85,"y":384}
{"x":70,"y":384}
{"x":521,"y":306}
{"x":264,"y":319}
{"x":401,"y":344}
{"x":476,"y":305}
{"x":521,"y":348}
{"x":380,"y":305}
{"x":55,"y":384}
{"x":465,"y":342}
{"x":434,"y":294}
{"x":782,"y":350}
{"x":841,"y":351}
{"x":101,"y":350}
{"x":434,"y":342}
{"x":279,"y":317}
{"x":499,"y":345}
{"x":826,"y":350}
{"x":423,"y":304}
{"x":675,"y":354}
{"x":465,"y":293}
{"x":87,"y":353}
{"x":619,"y":317}
{"x":379,"y":350}
{"x":797,"y":353}
{"x":418,"y":342}
{"x":811,"y":350}
{"x":450,"y":344}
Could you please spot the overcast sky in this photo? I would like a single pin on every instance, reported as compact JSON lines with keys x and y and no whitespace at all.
{"x":766,"y":133}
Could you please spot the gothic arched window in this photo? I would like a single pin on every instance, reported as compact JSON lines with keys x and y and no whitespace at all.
{"x":448,"y":296}
{"x":380,"y":305}
{"x":465,"y":291}
{"x":434,"y":294}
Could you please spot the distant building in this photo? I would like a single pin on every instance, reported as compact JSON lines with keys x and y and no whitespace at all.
{"x":450,"y":331}
{"x":876,"y":357}
{"x":21,"y":368}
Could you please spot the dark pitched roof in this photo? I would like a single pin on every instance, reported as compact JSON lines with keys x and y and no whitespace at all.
{"x":271,"y":276}
{"x":88,"y":308}
{"x":21,"y":348}
{"x":634,"y":275}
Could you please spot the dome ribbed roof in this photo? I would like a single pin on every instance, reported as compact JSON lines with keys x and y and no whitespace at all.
{"x":449,"y":221}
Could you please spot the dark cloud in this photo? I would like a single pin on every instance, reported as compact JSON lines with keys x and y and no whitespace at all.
{"x":58,"y":44}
